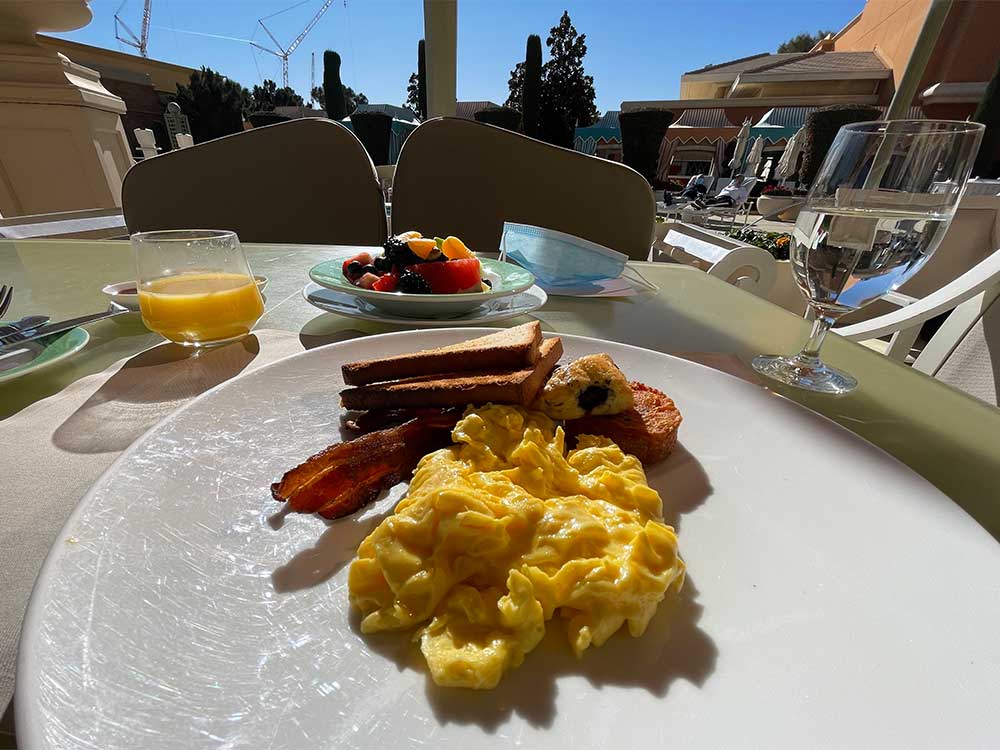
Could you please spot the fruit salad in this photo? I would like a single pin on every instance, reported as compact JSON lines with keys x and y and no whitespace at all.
{"x":413,"y":264}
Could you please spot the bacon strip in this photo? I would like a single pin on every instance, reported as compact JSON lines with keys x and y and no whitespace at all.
{"x":378,"y":419}
{"x":347,"y":476}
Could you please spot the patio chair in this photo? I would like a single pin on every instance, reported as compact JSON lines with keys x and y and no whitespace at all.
{"x":750,"y":268}
{"x":467,"y":178}
{"x":306,"y":181}
{"x":692,"y":216}
{"x":965,"y":351}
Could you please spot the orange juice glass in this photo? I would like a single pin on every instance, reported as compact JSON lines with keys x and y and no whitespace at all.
{"x":195,"y":286}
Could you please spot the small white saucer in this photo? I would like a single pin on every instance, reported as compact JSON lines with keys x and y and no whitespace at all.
{"x":125,"y":292}
{"x":351,"y":306}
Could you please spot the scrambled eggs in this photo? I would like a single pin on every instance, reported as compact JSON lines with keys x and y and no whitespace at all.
{"x":504,"y":528}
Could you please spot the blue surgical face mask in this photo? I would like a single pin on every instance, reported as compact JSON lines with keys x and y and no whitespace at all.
{"x":558,"y":259}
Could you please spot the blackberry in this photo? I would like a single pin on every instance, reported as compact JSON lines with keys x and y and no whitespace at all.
{"x":399,"y":253}
{"x":354,"y":268}
{"x":369,"y":269}
{"x":413,"y":283}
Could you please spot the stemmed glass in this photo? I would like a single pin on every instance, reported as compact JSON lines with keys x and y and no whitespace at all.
{"x":879,"y":206}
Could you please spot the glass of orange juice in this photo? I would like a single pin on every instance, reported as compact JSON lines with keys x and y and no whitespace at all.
{"x":195,"y":286}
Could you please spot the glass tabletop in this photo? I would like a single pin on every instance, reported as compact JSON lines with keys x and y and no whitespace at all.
{"x":938,"y":431}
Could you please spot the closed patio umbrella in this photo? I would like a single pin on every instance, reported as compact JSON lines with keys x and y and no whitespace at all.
{"x":720,"y":154}
{"x":756,"y":153}
{"x":790,"y":156}
{"x":668,"y":147}
{"x":741,"y":145}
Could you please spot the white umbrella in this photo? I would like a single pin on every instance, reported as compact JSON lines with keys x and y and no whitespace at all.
{"x":741,"y":145}
{"x":720,"y":154}
{"x":786,"y":165}
{"x":668,"y":147}
{"x":756,"y":153}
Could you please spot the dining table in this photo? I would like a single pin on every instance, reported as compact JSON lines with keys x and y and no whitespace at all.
{"x":62,"y":426}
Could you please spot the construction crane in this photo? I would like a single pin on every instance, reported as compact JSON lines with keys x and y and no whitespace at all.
{"x":140,"y":42}
{"x":282,"y":53}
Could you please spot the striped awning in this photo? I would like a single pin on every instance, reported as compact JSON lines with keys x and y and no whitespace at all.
{"x":703,"y":118}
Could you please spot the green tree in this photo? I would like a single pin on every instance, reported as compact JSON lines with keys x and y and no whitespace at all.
{"x":267,"y":96}
{"x":333,"y":87}
{"x":416,"y":86}
{"x":803,"y":42}
{"x":213,"y":103}
{"x":988,"y":113}
{"x":318,"y":96}
{"x":353,"y":99}
{"x":566,"y":95}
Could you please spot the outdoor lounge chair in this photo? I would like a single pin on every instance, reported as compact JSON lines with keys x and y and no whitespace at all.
{"x":693,"y":216}
{"x":306,"y":181}
{"x":465,"y":178}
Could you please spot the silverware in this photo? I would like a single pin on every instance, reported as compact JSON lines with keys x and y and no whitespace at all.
{"x":24,"y":325}
{"x":6,"y":294}
{"x":19,"y":338}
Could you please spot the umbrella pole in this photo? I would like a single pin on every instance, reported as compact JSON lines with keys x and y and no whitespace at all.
{"x":923,"y":48}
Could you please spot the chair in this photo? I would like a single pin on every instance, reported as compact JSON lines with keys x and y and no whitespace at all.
{"x":750,"y":268}
{"x":147,"y":142}
{"x":306,"y":181}
{"x":732,"y":213}
{"x":467,"y":178}
{"x":184,"y":140}
{"x":965,"y":351}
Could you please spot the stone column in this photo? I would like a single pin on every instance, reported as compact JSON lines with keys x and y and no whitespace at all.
{"x":62,"y":144}
{"x":441,"y":35}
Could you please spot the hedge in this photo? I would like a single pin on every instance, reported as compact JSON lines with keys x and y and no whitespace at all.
{"x":373,"y":129}
{"x":262,"y":119}
{"x":821,"y":128}
{"x":642,"y":133}
{"x":502,"y":117}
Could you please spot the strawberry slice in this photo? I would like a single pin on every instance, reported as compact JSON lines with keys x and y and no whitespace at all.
{"x":386,"y":283}
{"x":451,"y":276}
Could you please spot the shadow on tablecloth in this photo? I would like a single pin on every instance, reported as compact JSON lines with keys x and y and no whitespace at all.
{"x":148,"y":387}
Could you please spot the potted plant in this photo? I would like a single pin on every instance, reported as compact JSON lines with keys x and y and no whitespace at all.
{"x":774,"y":198}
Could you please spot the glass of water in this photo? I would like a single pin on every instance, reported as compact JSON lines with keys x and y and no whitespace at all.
{"x":879,"y":206}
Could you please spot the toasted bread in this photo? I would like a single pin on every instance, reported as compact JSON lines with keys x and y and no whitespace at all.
{"x":499,"y":387}
{"x":648,"y":431}
{"x":513,"y":349}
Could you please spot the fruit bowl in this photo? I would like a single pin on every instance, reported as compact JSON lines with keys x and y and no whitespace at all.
{"x":506,"y":280}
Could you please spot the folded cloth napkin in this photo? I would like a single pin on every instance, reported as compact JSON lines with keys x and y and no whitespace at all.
{"x":55,"y":449}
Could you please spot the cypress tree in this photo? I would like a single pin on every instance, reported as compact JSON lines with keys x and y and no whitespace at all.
{"x":531,"y":102}
{"x":333,"y":89}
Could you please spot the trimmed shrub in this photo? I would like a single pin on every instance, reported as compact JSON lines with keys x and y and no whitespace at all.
{"x":502,"y":117}
{"x":373,"y":129}
{"x":333,"y":89}
{"x":642,"y":133}
{"x":531,"y":93}
{"x":821,"y":128}
{"x":260,"y":119}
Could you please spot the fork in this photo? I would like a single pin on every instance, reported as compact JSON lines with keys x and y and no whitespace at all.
{"x":6,"y":294}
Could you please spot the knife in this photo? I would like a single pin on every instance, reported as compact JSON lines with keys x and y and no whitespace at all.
{"x":23,"y":337}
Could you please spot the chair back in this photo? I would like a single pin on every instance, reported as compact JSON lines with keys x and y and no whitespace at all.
{"x":965,"y":351}
{"x":466,"y":178}
{"x":184,"y":140}
{"x":305,"y":181}
{"x":147,"y":142}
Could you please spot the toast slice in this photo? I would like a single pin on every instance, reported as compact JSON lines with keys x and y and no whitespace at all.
{"x":513,"y":387}
{"x":648,"y":431}
{"x":513,"y":349}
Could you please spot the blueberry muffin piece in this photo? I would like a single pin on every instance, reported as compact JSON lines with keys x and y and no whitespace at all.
{"x":589,"y":386}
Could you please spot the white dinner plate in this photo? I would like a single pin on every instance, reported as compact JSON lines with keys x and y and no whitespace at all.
{"x":342,"y":303}
{"x":835,"y":599}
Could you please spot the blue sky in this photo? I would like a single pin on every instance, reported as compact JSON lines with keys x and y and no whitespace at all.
{"x":637,"y":49}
